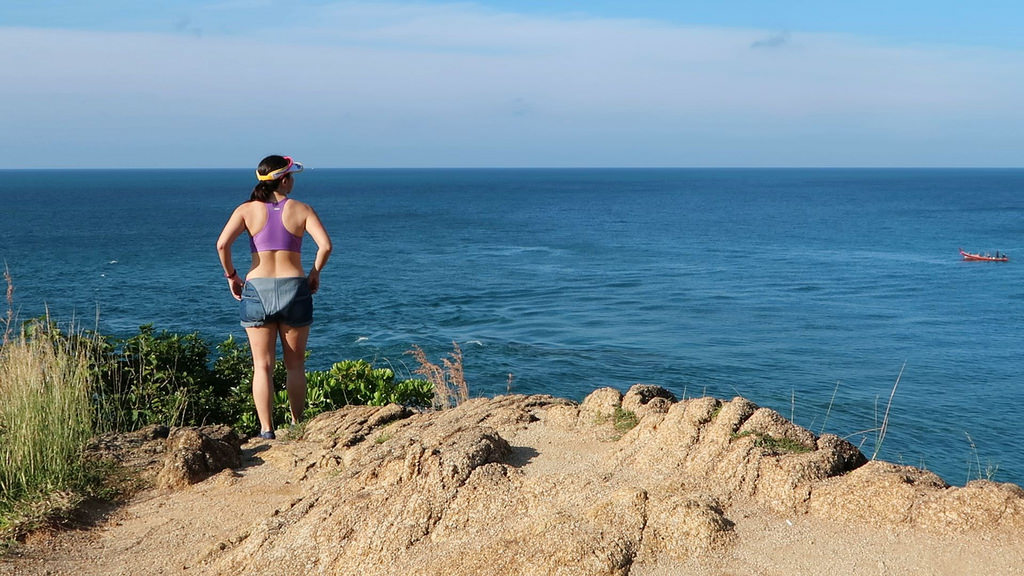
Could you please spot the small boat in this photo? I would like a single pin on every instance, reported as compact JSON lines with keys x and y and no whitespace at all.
{"x":984,"y":257}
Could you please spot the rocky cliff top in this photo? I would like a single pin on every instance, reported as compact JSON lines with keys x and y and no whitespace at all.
{"x":634,"y":484}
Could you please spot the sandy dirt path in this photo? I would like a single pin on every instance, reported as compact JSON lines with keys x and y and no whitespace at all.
{"x":163,"y":531}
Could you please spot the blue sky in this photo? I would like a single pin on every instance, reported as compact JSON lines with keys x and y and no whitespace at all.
{"x":504,"y":83}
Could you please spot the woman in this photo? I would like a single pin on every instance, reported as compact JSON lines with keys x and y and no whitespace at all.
{"x":276,"y":295}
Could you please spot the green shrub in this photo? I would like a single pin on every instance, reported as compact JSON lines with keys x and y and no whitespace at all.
{"x":167,"y":378}
{"x":358,"y":382}
{"x":160,"y":378}
{"x":347,"y":382}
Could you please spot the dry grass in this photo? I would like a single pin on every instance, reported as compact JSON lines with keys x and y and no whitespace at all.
{"x":9,"y":317}
{"x":879,"y":430}
{"x":885,"y":420}
{"x":448,"y":379}
{"x":45,"y":421}
{"x":988,"y":473}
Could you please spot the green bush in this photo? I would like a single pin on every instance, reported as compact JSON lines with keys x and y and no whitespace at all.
{"x":358,"y":382}
{"x":160,"y":378}
{"x":350,"y":382}
{"x":167,"y":378}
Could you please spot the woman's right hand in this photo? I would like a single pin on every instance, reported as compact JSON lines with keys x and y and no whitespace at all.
{"x":235,"y":284}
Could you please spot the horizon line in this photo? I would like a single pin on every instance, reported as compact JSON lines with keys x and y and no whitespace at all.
{"x":309,"y":168}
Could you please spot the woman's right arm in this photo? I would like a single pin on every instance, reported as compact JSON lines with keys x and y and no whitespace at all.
{"x":232,"y":230}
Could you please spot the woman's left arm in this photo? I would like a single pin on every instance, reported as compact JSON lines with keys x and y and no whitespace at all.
{"x":323,"y":247}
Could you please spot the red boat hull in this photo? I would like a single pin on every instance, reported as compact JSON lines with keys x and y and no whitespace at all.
{"x":980,"y":258}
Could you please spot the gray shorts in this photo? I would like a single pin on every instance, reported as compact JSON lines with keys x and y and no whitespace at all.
{"x":276,"y":301}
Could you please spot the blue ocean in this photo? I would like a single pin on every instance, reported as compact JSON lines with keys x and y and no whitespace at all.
{"x":812,"y":292}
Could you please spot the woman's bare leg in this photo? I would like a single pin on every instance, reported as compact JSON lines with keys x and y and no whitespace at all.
{"x":263,"y":342}
{"x":293,"y":344}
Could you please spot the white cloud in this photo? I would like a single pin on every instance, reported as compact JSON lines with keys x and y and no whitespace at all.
{"x":394,"y":84}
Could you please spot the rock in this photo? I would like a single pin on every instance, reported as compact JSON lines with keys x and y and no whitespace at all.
{"x":878,"y":493}
{"x":599,"y":407}
{"x":682,"y":526}
{"x":195,"y":454}
{"x":731,"y":451}
{"x":978,"y":505}
{"x":438,"y":495}
{"x":556,"y":525}
{"x":885,"y":494}
{"x":142,"y":452}
{"x":393,"y":491}
{"x":563,"y":417}
{"x":152,"y":432}
{"x":642,"y":399}
{"x":349,"y":426}
{"x":768,"y":423}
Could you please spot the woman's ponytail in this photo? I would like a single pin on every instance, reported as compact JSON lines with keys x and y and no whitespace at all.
{"x":264,"y":190}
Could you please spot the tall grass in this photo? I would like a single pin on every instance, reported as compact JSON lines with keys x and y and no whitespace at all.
{"x":990,"y":469}
{"x":885,"y":420}
{"x":879,"y":430}
{"x":45,"y":420}
{"x":9,"y":317}
{"x":45,"y":417}
{"x":448,"y":380}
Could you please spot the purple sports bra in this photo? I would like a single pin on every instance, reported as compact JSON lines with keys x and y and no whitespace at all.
{"x":274,"y":236}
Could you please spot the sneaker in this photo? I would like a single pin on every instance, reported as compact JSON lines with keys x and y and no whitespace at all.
{"x":268,"y":435}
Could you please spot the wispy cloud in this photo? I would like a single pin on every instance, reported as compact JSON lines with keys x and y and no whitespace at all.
{"x":773,"y":41}
{"x":414,"y":84}
{"x":184,"y":25}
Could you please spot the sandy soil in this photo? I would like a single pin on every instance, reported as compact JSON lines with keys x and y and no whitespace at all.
{"x":163,"y":532}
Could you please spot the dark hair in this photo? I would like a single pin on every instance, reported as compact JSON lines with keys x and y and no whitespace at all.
{"x":264,"y":190}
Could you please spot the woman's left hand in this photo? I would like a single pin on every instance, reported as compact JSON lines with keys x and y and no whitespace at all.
{"x":314,"y":280}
